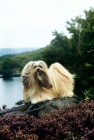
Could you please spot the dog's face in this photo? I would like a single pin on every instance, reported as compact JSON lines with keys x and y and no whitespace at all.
{"x":36,"y":73}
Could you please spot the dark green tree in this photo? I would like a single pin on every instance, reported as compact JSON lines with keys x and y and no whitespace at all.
{"x":82,"y":48}
{"x":58,"y":50}
{"x":8,"y":66}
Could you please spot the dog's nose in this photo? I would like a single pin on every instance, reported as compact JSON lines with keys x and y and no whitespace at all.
{"x":37,"y":69}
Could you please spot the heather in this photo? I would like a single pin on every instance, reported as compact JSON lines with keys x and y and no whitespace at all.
{"x":75,"y":122}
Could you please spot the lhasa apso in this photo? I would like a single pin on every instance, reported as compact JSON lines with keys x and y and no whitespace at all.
{"x":41,"y":83}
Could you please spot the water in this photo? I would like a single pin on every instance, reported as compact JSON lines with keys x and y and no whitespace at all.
{"x":10,"y":91}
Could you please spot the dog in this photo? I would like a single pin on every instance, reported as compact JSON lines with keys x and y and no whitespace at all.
{"x":41,"y":83}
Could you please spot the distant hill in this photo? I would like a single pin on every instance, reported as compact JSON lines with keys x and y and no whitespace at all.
{"x":19,"y":57}
{"x":6,"y":51}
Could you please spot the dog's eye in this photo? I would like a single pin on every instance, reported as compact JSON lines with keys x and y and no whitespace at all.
{"x":34,"y":67}
{"x":40,"y":66}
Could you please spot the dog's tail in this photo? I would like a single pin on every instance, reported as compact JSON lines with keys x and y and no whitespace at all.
{"x":63,"y":81}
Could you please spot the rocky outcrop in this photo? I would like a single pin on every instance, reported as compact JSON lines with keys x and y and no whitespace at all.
{"x":42,"y":108}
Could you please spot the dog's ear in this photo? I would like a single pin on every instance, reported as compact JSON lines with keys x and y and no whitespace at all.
{"x":25,"y":80}
{"x":25,"y":77}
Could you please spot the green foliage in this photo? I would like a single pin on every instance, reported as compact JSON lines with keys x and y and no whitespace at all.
{"x":58,"y":50}
{"x":82,"y":46}
{"x":8,"y":66}
{"x":88,"y":95}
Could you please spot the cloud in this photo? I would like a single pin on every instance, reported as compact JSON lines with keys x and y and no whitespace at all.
{"x":27,"y":23}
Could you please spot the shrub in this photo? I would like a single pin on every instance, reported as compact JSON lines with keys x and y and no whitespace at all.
{"x":71,"y":123}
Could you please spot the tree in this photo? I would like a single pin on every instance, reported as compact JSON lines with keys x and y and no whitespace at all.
{"x":58,"y":50}
{"x":82,"y":47}
{"x":8,"y":66}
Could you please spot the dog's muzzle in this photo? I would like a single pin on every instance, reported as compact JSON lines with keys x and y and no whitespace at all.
{"x":42,"y":78}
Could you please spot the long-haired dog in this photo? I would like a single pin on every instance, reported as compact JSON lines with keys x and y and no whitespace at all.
{"x":41,"y":83}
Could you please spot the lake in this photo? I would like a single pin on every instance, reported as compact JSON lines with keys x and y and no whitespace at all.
{"x":10,"y":91}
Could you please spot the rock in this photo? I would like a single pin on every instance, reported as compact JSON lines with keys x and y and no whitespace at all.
{"x":42,"y":108}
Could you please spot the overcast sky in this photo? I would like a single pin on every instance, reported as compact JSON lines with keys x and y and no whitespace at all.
{"x":30,"y":23}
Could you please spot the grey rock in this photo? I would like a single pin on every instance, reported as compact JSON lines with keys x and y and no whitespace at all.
{"x":42,"y":108}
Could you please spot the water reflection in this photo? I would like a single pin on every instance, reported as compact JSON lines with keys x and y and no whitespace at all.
{"x":10,"y":91}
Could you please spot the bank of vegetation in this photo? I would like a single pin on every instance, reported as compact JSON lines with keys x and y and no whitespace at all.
{"x":75,"y":53}
{"x":71,"y":123}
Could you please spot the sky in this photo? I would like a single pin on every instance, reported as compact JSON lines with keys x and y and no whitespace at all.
{"x":30,"y":23}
